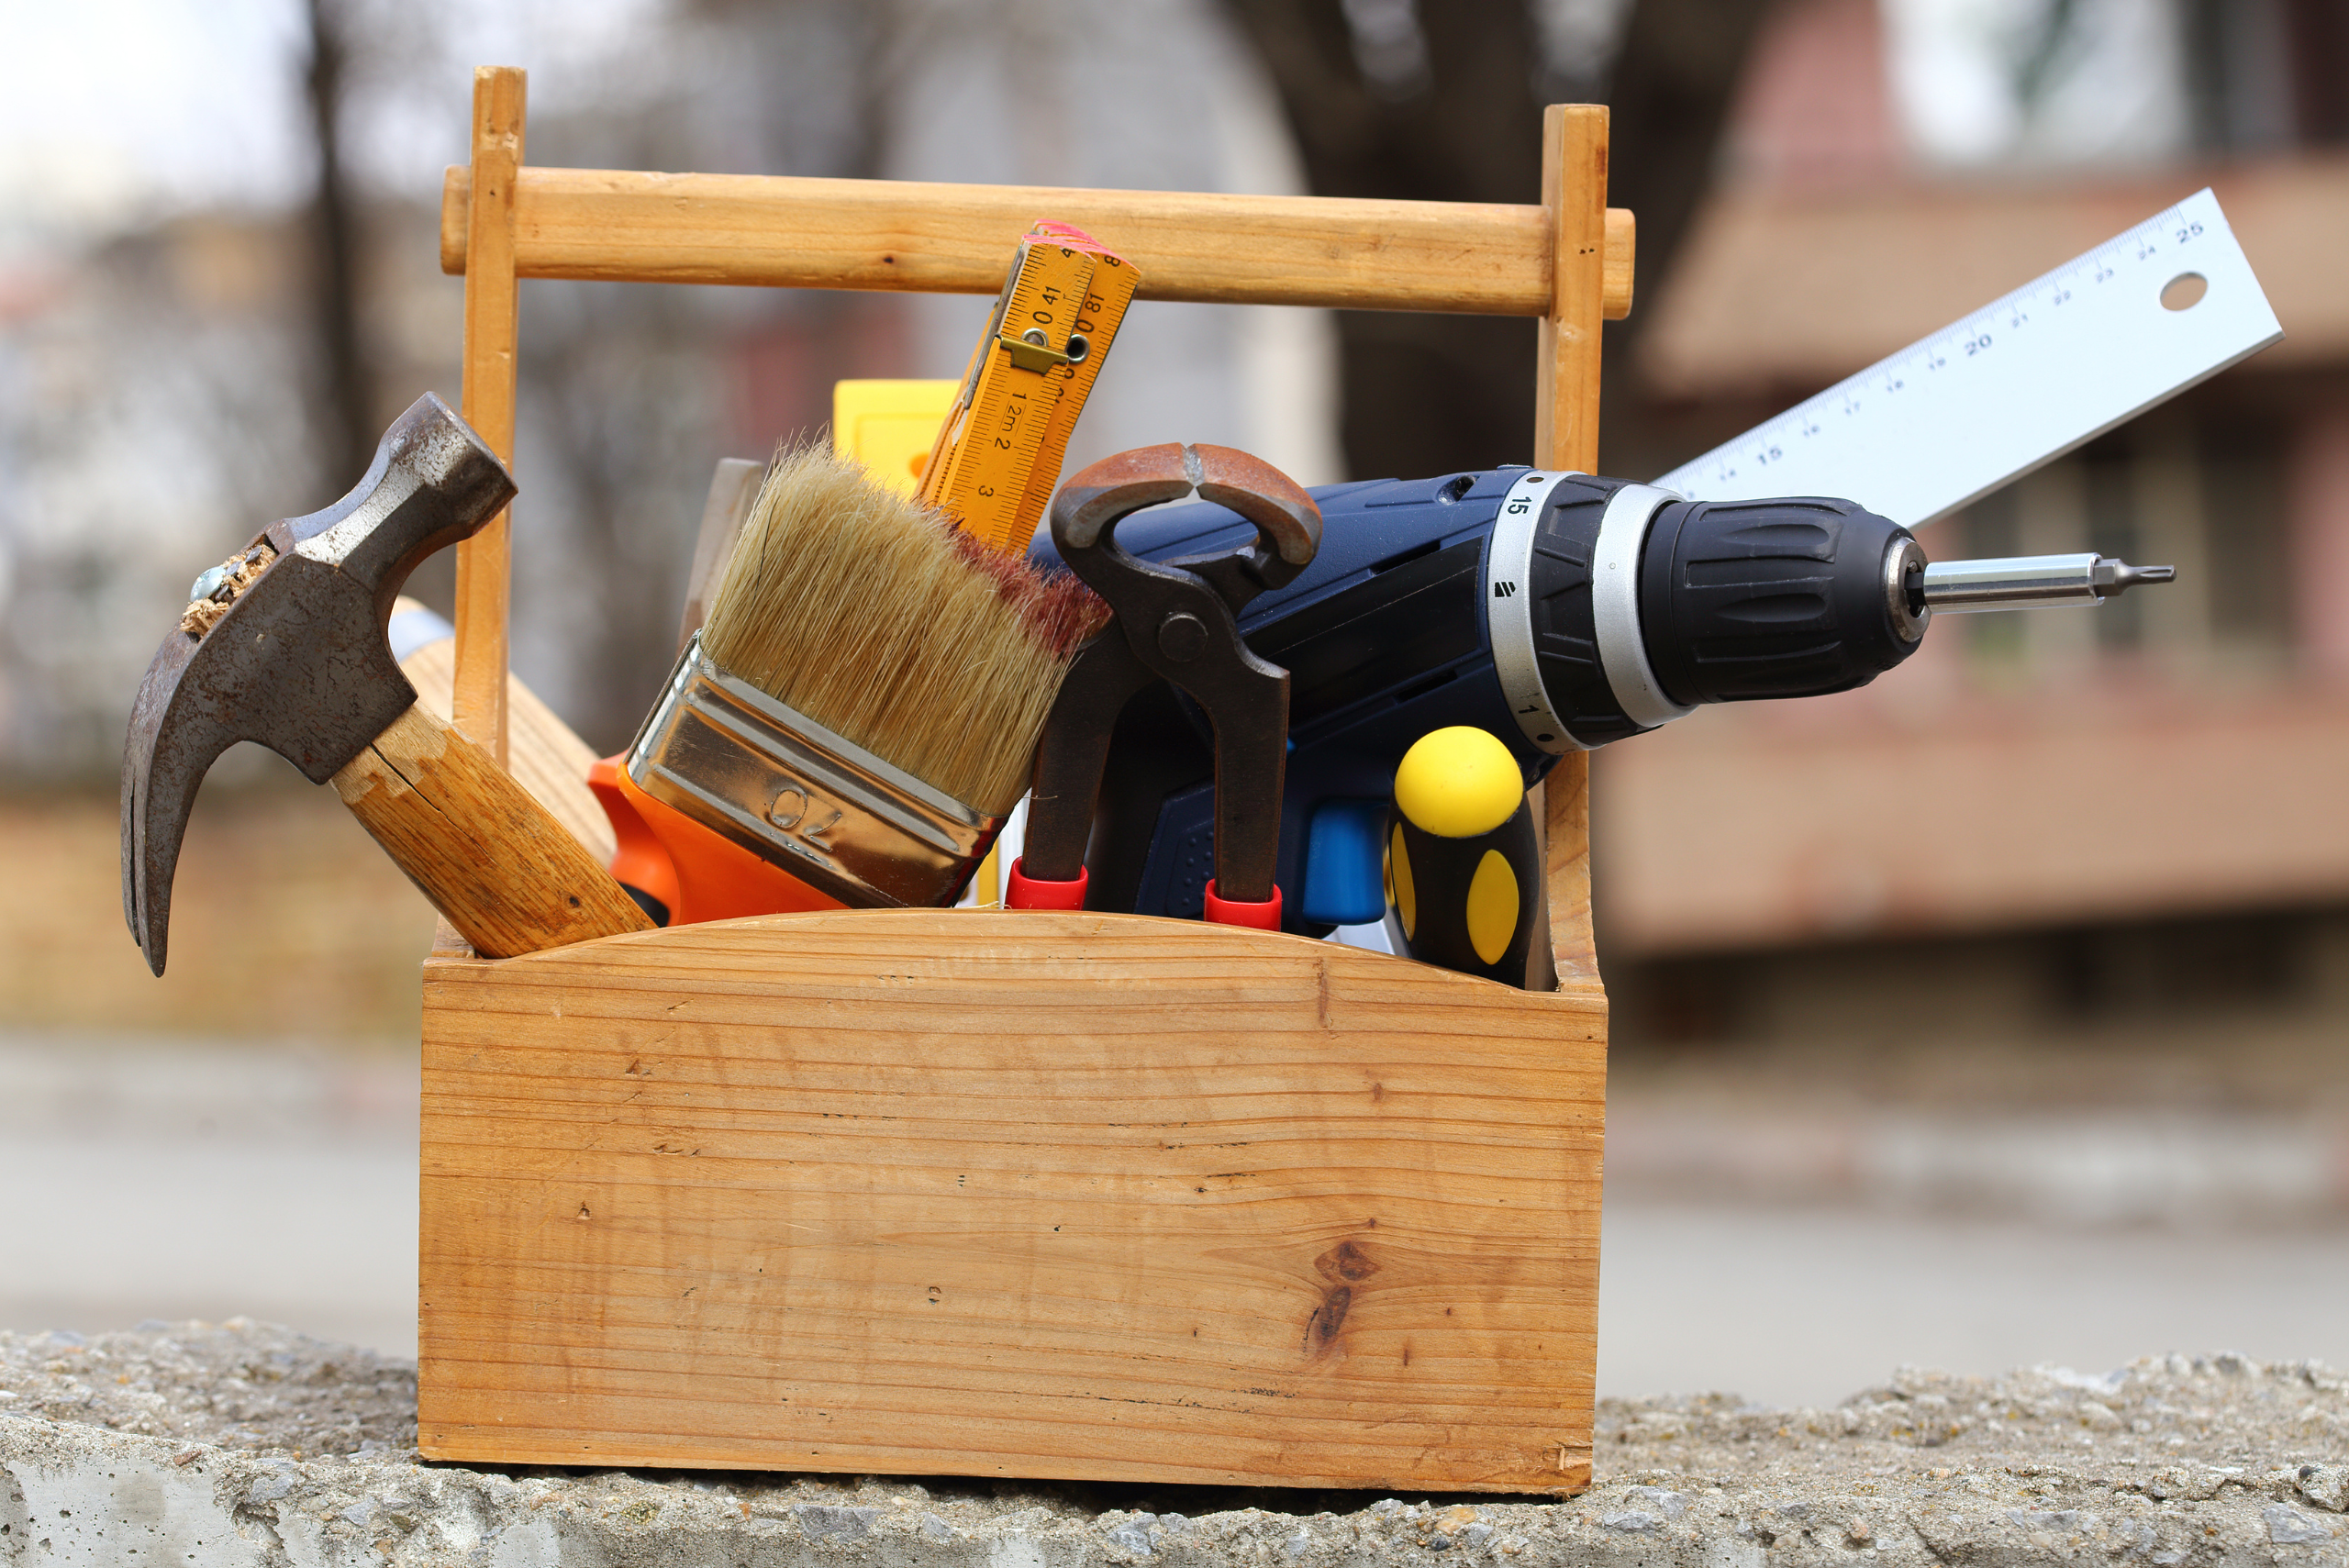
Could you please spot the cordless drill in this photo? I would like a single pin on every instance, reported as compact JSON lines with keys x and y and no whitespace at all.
{"x":1557,"y":611}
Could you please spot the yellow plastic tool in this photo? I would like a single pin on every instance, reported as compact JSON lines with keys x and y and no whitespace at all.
{"x":890,"y":426}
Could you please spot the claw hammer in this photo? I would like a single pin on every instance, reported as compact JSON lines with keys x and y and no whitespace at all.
{"x":298,"y":660}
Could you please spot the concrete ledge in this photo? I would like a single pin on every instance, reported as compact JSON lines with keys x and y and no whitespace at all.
{"x":242,"y":1444}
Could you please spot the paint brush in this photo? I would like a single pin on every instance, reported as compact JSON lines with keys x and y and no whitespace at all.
{"x":858,"y":714}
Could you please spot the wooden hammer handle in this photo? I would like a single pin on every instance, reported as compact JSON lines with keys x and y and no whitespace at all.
{"x":491,"y":859}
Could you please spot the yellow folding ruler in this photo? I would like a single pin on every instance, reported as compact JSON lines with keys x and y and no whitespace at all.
{"x":998,"y":453}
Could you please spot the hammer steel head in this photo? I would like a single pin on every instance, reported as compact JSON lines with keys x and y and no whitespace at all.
{"x":300,"y":661}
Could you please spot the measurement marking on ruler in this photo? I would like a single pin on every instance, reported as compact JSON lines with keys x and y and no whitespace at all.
{"x":2026,"y":378}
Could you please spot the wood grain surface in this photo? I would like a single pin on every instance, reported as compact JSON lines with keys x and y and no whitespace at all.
{"x":485,"y":563}
{"x":780,"y":231}
{"x":1023,"y":1195}
{"x":1622,"y":249}
{"x":1574,"y":197}
{"x":1565,"y":860}
{"x":491,"y":859}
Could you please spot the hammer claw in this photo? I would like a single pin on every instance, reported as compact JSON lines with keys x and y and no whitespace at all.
{"x":159,"y":786}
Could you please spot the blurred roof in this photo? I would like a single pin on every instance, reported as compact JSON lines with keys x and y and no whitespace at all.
{"x":1785,"y":289}
{"x":1869,"y":815}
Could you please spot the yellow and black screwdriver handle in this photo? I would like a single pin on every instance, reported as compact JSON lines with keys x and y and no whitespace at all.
{"x":1464,"y":863}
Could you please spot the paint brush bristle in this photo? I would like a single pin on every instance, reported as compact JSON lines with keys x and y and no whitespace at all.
{"x":876,"y":617}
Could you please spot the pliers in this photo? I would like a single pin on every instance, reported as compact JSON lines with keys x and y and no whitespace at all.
{"x":1176,"y":621}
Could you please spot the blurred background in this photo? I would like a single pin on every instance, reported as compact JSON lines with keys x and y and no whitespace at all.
{"x":1996,"y":1012}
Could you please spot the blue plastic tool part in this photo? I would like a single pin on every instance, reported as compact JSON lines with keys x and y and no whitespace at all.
{"x":1343,"y":881}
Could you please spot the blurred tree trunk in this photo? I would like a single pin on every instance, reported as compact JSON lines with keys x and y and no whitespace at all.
{"x":1425,"y":393}
{"x":1670,"y":91}
{"x":2318,"y":44}
{"x":1420,"y":393}
{"x":344,"y":413}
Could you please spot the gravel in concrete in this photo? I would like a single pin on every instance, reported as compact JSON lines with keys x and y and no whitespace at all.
{"x":241,"y":1443}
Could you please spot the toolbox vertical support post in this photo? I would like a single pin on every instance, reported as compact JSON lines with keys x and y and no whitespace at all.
{"x":484,"y":569}
{"x":1574,"y":200}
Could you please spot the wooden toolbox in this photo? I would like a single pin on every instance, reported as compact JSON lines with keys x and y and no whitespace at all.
{"x":970,"y":1191}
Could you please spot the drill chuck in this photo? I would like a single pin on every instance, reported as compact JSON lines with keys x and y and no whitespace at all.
{"x":1618,"y":608}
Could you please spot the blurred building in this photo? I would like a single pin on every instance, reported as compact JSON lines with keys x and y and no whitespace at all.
{"x":2127,"y":819}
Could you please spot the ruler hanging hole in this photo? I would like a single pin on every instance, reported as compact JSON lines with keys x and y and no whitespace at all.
{"x":1077,"y":348}
{"x":2185,"y":291}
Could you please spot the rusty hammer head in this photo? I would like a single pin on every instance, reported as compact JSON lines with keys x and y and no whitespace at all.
{"x":298,"y":660}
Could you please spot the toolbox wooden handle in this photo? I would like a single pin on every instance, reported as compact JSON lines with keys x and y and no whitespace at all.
{"x":1566,"y":437}
{"x":778,"y":231}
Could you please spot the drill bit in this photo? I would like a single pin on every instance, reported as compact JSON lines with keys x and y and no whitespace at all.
{"x":2032,"y":582}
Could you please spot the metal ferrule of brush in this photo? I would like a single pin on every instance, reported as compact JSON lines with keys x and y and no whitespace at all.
{"x":787,"y":789}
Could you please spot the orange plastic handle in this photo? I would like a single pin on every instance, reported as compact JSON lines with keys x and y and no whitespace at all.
{"x":697,"y":874}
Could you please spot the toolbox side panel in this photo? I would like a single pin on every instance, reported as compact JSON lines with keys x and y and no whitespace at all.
{"x":1078,"y":1196}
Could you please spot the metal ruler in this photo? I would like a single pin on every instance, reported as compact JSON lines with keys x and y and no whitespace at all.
{"x":2022,"y":381}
